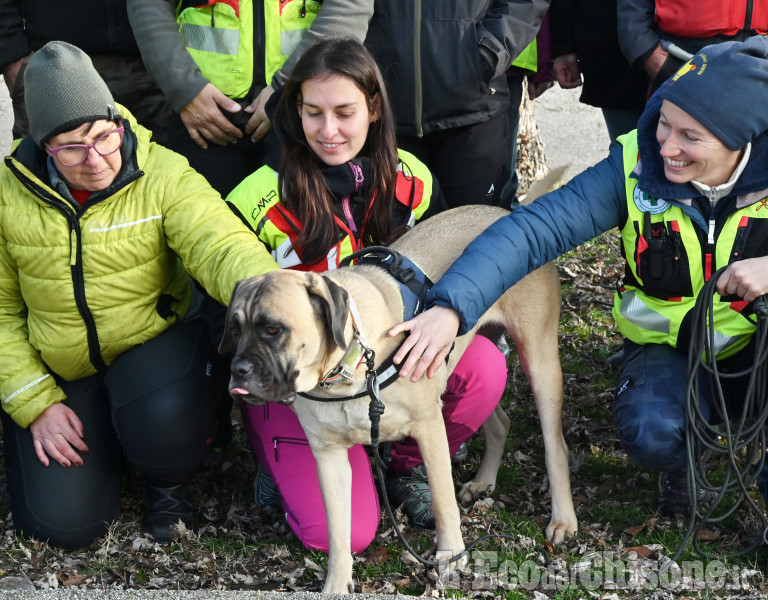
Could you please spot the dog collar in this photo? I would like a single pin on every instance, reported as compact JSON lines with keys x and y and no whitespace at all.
{"x":344,"y":371}
{"x":413,"y":283}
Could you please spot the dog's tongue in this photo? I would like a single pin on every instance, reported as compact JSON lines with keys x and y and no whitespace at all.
{"x":239,"y":391}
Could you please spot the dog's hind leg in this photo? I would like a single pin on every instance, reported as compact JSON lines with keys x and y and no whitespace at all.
{"x":534,"y":328}
{"x":335,"y":478}
{"x":495,"y":431}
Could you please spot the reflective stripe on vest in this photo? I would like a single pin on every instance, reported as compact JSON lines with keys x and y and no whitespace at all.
{"x":219,"y":37}
{"x":285,"y":25}
{"x":645,"y":318}
{"x":642,"y":315}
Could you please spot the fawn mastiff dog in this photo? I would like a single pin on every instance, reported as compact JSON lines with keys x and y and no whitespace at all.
{"x":287,"y":329}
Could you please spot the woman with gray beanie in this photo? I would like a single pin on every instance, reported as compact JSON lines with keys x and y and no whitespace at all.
{"x":104,"y":354}
{"x":688,"y":191}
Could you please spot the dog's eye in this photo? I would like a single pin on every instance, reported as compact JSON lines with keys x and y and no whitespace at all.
{"x":272,"y":330}
{"x":234,"y":332}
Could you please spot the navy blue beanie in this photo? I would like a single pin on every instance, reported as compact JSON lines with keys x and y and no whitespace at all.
{"x":725,"y":88}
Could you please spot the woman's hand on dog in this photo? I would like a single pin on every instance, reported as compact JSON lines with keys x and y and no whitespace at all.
{"x":432,"y":334}
{"x":57,"y":432}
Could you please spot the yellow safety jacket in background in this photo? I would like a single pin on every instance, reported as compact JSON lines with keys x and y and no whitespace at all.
{"x":220,"y":36}
{"x":528,"y":58}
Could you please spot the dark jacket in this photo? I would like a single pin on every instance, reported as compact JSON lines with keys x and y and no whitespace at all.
{"x":592,"y":203}
{"x":587,"y":28}
{"x":456,"y":74}
{"x":95,"y":26}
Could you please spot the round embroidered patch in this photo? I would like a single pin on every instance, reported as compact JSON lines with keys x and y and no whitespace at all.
{"x":648,"y":203}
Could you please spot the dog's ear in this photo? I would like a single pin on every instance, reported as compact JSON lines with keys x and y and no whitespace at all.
{"x":227,"y":344}
{"x":334,"y":303}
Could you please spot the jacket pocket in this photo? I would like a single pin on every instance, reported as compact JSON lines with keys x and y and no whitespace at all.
{"x":278,"y":441}
{"x":751,"y":239}
{"x":662,"y":261}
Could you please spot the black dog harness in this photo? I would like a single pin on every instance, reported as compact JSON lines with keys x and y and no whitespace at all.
{"x":414,"y":285}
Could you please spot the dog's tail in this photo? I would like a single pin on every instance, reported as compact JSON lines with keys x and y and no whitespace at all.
{"x":549,"y":182}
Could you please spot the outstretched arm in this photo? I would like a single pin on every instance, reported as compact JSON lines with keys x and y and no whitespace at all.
{"x":515,"y":245}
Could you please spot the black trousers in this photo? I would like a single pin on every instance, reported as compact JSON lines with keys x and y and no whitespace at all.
{"x":155,"y":405}
{"x":470,"y":162}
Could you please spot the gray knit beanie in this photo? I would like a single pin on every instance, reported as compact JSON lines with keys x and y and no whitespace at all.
{"x":62,"y":90}
{"x":725,"y":88}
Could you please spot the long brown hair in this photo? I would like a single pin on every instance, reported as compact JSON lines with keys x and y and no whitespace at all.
{"x":303,"y":187}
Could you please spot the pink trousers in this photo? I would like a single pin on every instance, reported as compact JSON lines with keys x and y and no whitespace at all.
{"x":278,"y":441}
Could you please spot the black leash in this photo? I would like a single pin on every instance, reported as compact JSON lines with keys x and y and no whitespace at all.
{"x":375,"y":410}
{"x":744,"y":439}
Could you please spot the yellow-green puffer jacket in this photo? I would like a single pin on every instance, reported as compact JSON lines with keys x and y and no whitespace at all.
{"x":81,"y":285}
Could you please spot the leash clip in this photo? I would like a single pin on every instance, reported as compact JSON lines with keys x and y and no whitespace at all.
{"x":376,"y":406}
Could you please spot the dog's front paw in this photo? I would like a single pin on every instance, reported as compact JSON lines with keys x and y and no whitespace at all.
{"x":475,"y":490}
{"x":560,"y":530}
{"x":445,"y":568}
{"x":338,"y":585}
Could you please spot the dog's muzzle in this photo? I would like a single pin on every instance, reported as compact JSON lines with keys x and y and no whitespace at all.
{"x":257,"y":384}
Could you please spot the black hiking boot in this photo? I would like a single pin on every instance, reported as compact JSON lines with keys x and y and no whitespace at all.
{"x":673,"y":494}
{"x":412,"y":491}
{"x":166,"y":505}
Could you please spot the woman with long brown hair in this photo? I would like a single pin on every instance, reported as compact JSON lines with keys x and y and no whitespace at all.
{"x":343,"y":185}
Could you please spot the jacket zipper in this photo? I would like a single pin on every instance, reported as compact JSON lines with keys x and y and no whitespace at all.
{"x":418,"y":99}
{"x":709,"y":262}
{"x":675,"y":227}
{"x":75,"y":265}
{"x":738,"y":242}
{"x":259,"y":41}
{"x":78,"y":280}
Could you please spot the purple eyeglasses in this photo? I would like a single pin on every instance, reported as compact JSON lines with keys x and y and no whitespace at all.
{"x":72,"y":155}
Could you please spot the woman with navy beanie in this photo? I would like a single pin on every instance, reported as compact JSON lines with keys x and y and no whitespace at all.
{"x":688,"y":191}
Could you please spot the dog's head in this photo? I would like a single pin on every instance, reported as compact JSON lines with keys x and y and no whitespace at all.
{"x":281,"y":328}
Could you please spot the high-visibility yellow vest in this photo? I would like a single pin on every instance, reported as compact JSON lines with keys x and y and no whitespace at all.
{"x":668,"y":262}
{"x":258,"y":202}
{"x":285,"y":24}
{"x":220,"y":37}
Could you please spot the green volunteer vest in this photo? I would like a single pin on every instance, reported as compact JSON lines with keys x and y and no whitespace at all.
{"x":667,"y":266}
{"x":220,"y":38}
{"x":528,"y":58}
{"x":285,"y":25}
